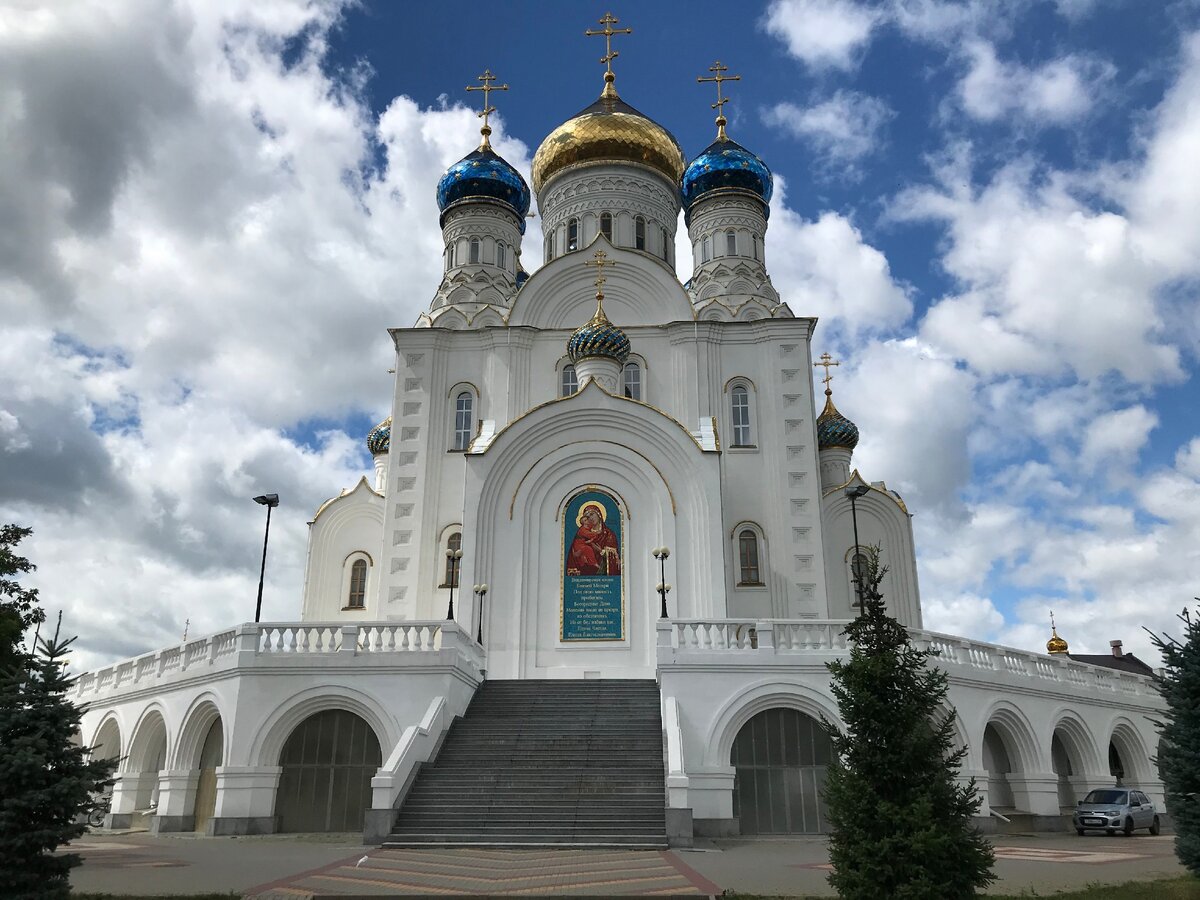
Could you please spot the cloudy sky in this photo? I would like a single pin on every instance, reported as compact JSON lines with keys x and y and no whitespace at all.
{"x":214,"y":209}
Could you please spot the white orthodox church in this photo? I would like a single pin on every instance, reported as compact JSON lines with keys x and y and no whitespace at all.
{"x":551,"y":434}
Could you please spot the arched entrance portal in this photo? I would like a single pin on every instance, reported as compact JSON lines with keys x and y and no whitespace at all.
{"x":780,"y":757}
{"x":206,"y":785}
{"x":327,"y":762}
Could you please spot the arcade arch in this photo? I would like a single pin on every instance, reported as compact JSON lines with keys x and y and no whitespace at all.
{"x":327,"y":763}
{"x":780,"y":758}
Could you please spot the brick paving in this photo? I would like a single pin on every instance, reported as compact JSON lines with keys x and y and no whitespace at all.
{"x":497,"y":872}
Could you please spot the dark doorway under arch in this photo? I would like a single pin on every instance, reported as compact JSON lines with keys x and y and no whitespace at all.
{"x":328,"y":762}
{"x":780,"y":757}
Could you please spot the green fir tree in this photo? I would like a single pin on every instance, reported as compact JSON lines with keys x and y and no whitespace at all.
{"x":901,"y":825}
{"x":47,"y":782}
{"x":1179,"y":750}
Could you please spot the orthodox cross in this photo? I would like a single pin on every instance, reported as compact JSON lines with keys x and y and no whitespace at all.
{"x":600,"y":260}
{"x":719,"y":76}
{"x":610,"y":54}
{"x":487,"y":87}
{"x":827,"y":361}
{"x":186,"y":624}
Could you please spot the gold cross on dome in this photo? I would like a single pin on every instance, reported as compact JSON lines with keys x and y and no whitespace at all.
{"x":600,"y":260}
{"x":719,"y":77}
{"x":828,"y":362}
{"x":610,"y":54}
{"x":487,"y":87}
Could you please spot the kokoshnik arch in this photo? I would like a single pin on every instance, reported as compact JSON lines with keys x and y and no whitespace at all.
{"x":556,"y":428}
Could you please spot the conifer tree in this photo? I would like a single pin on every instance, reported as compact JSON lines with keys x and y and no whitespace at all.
{"x":46,"y":781}
{"x":901,"y":825}
{"x":1179,"y":750}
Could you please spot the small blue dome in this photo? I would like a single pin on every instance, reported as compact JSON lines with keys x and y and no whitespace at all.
{"x":598,"y":337}
{"x":482,"y":173}
{"x":834,"y":429}
{"x":725,"y":165}
{"x":379,"y":438}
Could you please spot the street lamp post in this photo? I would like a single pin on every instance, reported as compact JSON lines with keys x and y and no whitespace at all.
{"x":270,"y":501}
{"x":453,"y":556}
{"x":480,"y":592}
{"x":661,"y":554}
{"x":854,"y":492}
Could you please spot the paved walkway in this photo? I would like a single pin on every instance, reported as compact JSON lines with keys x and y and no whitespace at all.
{"x":288,"y":866}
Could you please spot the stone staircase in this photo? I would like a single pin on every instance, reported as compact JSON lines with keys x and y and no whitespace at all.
{"x":544,"y":763}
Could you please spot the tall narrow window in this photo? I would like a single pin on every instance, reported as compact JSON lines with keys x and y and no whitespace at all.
{"x":740,"y":404}
{"x":573,"y":235}
{"x":666,"y":244}
{"x":357,"y":597}
{"x":639,"y":233}
{"x":501,"y":257}
{"x":450,"y":256}
{"x":606,"y":226}
{"x":451,"y":572}
{"x":473,"y":251}
{"x":633,"y":381}
{"x":548,"y":253}
{"x":463,"y":420}
{"x":731,"y":243}
{"x":748,"y":558}
{"x":570,"y":382}
{"x":705,"y":250}
{"x":757,"y":254}
{"x":860,"y":569}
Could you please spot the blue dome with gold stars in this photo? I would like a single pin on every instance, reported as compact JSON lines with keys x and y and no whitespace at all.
{"x":379,"y":438}
{"x":725,"y":165}
{"x":598,"y":337}
{"x":482,"y":173}
{"x":834,"y":429}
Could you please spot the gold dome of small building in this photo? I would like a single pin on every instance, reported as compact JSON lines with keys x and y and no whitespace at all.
{"x":610,"y":130}
{"x":1055,"y":645}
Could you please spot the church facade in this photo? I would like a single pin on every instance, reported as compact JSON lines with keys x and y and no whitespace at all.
{"x":594,"y":472}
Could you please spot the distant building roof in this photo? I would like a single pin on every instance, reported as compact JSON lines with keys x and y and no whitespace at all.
{"x":1125,"y":663}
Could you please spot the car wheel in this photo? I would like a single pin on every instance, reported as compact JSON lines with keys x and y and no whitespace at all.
{"x":1128,"y":829}
{"x":1155,"y":828}
{"x":1079,"y":831}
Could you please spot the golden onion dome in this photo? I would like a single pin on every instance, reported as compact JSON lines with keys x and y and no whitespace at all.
{"x":1055,"y":644}
{"x":610,"y":130}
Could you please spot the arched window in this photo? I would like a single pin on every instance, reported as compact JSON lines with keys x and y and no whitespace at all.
{"x":357,"y":597}
{"x":463,"y":420}
{"x":639,"y":233}
{"x":740,"y":409}
{"x":666,"y":244}
{"x":633,"y":381}
{"x":570,"y":382}
{"x":473,"y":251}
{"x":501,"y":259}
{"x":450,"y":256}
{"x":860,"y":570}
{"x":573,"y":235}
{"x":731,"y":243}
{"x":606,"y":226}
{"x":705,"y":250}
{"x":748,"y":558}
{"x":548,"y":252}
{"x":453,"y":569}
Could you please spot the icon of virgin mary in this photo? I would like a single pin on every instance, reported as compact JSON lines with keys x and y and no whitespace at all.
{"x":595,"y":550}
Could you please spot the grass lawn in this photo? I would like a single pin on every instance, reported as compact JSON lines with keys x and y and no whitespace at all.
{"x":1183,"y":888}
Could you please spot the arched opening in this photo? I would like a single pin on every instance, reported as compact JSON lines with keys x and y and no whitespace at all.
{"x":749,"y":572}
{"x":998,"y":762}
{"x":1116,"y":763}
{"x":327,"y":762}
{"x":1060,"y":760}
{"x":632,"y":378}
{"x":639,"y":233}
{"x":606,"y":226}
{"x":780,"y":758}
{"x":473,"y":250}
{"x":147,"y":759}
{"x":108,"y":741}
{"x":464,"y":420}
{"x":569,"y":383}
{"x":211,"y":755}
{"x":572,"y":235}
{"x":740,"y":412}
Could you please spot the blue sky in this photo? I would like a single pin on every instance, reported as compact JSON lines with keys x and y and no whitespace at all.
{"x":219,"y":206}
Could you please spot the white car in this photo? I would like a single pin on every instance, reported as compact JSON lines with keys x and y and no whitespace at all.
{"x":1113,"y":808}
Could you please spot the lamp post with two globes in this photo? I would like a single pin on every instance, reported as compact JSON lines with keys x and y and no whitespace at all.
{"x":480,"y":592}
{"x":661,"y":554}
{"x":454,"y":557}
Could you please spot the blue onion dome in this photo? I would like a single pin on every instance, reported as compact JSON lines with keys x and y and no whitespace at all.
{"x":598,"y":337}
{"x":483,"y":174}
{"x":379,"y":438}
{"x":834,"y":429}
{"x":725,"y":165}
